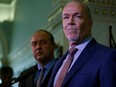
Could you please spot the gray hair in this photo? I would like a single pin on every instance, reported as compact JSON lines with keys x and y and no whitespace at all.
{"x":86,"y":7}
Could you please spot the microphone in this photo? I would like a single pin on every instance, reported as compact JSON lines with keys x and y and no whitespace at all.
{"x":24,"y":75}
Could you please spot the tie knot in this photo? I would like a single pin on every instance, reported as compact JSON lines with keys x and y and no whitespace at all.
{"x":73,"y":50}
{"x":42,"y":69}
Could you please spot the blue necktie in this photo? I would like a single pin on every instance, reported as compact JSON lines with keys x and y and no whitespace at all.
{"x":39,"y":81}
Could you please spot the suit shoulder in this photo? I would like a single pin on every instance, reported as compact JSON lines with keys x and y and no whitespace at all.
{"x":103,"y":47}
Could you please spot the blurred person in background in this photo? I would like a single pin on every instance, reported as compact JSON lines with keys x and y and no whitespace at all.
{"x":43,"y":46}
{"x":6,"y":76}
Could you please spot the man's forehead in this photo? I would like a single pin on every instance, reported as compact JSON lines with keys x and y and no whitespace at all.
{"x":39,"y":38}
{"x":74,"y":6}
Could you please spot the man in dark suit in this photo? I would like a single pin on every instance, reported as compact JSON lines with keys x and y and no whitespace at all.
{"x":43,"y":45}
{"x":93,"y":65}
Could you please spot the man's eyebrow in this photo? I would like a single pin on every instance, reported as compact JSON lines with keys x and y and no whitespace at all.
{"x":38,"y":41}
{"x":66,"y":14}
{"x":33,"y":41}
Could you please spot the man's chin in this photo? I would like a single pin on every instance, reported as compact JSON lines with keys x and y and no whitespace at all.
{"x":38,"y":58}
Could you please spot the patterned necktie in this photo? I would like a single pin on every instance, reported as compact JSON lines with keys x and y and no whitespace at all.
{"x":39,"y":81}
{"x":66,"y":66}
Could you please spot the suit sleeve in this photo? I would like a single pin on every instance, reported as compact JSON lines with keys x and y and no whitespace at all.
{"x":108,"y":71}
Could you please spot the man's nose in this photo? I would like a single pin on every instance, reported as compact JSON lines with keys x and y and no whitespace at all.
{"x":71,"y":21}
{"x":38,"y":45}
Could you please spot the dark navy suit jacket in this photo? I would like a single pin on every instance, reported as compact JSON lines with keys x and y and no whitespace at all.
{"x":29,"y":81}
{"x":95,"y":67}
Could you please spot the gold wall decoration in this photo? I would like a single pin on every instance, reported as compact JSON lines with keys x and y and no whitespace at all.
{"x":96,"y":11}
{"x":112,"y":13}
{"x":104,"y":12}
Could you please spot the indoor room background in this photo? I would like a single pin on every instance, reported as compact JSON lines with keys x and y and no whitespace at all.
{"x":20,"y":18}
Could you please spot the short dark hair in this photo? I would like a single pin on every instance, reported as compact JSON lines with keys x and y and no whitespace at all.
{"x":51,"y":36}
{"x":6,"y":70}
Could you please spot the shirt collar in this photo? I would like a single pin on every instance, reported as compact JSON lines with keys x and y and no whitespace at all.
{"x":84,"y":43}
{"x":47,"y":66}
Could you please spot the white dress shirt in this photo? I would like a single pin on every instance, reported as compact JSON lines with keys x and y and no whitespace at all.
{"x":80,"y":48}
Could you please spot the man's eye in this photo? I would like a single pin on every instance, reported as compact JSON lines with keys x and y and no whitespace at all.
{"x":78,"y":16}
{"x":65,"y":17}
{"x":34,"y":44}
{"x":43,"y":42}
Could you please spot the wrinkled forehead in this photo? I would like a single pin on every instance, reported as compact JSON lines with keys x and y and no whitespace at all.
{"x":40,"y":36}
{"x":73,"y":6}
{"x":79,"y":7}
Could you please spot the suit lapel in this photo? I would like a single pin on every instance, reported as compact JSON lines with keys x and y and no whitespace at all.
{"x":47,"y":77}
{"x":82,"y":59}
{"x":30,"y":81}
{"x":56,"y":68}
{"x":59,"y":62}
